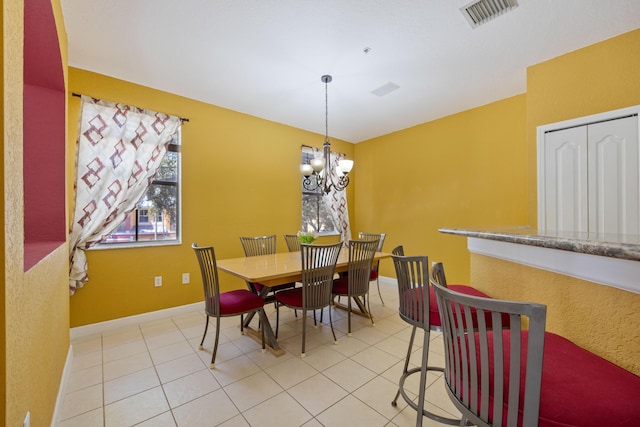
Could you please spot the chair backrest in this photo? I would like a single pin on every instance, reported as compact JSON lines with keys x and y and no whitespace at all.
{"x":361,"y":253}
{"x":260,"y":245}
{"x":293,"y":242}
{"x":398,"y":250}
{"x":485,"y":363}
{"x":412,"y":273}
{"x":371,"y":236}
{"x":437,"y":274}
{"x":209,"y":269}
{"x":318,"y":264}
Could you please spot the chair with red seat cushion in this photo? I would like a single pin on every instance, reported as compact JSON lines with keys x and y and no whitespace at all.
{"x":293,"y":242}
{"x":517,"y":377}
{"x":355,"y":284}
{"x":232,"y":303}
{"x":375,"y":269}
{"x":262,"y":245}
{"x":398,"y":250}
{"x":412,"y":273}
{"x":318,"y":264}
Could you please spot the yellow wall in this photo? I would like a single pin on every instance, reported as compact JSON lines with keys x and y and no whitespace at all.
{"x":467,"y":169}
{"x":601,"y":77}
{"x":478,"y":168}
{"x":240,"y":176}
{"x":35,"y":328}
{"x":601,"y":319}
{"x":6,"y":39}
{"x":605,"y":320}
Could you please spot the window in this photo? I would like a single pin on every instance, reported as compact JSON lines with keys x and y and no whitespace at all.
{"x":156,"y":217}
{"x":315,"y":217}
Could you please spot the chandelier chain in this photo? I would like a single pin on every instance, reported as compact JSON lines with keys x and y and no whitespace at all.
{"x":326,"y":110}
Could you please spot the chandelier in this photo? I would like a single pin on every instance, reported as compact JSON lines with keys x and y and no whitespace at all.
{"x":320,"y":168}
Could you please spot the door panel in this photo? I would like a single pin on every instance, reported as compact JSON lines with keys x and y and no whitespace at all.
{"x":614,"y":186}
{"x":565,"y":180}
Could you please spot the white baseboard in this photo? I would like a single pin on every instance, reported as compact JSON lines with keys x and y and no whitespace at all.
{"x":62,"y":390}
{"x":388,"y":280}
{"x":96,"y":328}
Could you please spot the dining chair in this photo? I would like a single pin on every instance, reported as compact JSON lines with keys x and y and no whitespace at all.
{"x":293,"y":242}
{"x":375,"y":274}
{"x":223,"y":304}
{"x":318,"y":264}
{"x":263,"y":245}
{"x":355,"y":284}
{"x":398,"y":250}
{"x":412,"y":273}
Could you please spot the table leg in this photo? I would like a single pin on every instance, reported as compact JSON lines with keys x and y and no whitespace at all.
{"x":360,"y":311}
{"x":263,"y":293}
{"x":269,"y":337}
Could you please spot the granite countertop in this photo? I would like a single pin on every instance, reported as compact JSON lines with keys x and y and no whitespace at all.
{"x":608,"y":245}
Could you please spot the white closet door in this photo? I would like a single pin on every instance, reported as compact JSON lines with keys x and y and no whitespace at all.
{"x":614,"y":185}
{"x":565,"y":180}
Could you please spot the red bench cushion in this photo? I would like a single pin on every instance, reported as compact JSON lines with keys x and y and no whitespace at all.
{"x":580,"y":388}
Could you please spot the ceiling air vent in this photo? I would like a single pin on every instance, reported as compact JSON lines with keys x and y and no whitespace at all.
{"x":482,"y":11}
{"x":385,"y":89}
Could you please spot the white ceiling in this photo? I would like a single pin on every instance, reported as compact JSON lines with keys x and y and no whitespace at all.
{"x":266,"y":57}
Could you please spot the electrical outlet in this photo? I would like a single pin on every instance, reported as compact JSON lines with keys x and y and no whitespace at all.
{"x":185,"y":278}
{"x":27,"y":420}
{"x":157,"y":281}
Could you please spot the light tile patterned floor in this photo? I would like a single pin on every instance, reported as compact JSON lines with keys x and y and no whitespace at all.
{"x":153,"y":374}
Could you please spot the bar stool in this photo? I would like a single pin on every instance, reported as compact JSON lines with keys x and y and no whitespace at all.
{"x":412,"y":273}
{"x":418,"y":307}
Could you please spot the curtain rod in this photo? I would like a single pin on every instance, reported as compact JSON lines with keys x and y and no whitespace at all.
{"x":182,"y":119}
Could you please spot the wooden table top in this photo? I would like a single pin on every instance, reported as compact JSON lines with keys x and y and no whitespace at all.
{"x":279,"y":268}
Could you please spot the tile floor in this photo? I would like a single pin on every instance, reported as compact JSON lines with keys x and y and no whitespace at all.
{"x":153,"y":374}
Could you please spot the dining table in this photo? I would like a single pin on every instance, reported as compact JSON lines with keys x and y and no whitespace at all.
{"x":277,"y":269}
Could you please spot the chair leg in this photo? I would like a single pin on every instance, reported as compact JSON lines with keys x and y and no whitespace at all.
{"x":379,"y":293}
{"x":263,"y":315}
{"x":304,"y":329}
{"x":423,"y":379}
{"x":277,"y":318}
{"x":215,"y":344}
{"x":394,"y":402}
{"x":335,"y":340}
{"x":369,"y":306}
{"x":242,"y":324}
{"x":349,"y":314}
{"x":206,"y":326}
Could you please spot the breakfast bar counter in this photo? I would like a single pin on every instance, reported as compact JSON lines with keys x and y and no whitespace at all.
{"x":607,"y":259}
{"x":590,"y":283}
{"x":608,"y":245}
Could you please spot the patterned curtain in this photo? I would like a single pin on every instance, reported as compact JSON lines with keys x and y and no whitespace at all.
{"x":119,"y":150}
{"x":336,"y":201}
